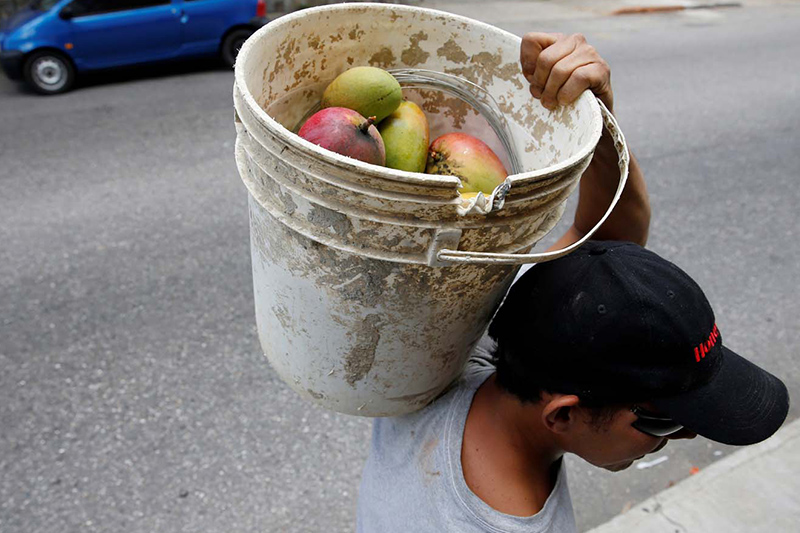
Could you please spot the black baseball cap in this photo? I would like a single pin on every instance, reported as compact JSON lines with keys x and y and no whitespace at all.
{"x":615,"y":323}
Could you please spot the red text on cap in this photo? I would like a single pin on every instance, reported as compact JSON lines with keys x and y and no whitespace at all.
{"x":701,"y":350}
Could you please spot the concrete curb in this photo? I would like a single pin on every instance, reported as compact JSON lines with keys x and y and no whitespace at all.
{"x":753,"y":490}
{"x":638,"y":10}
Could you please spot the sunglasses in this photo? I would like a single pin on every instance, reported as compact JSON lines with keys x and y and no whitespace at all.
{"x":654,"y":424}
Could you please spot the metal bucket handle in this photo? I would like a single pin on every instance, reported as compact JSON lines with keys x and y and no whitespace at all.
{"x":486,"y":258}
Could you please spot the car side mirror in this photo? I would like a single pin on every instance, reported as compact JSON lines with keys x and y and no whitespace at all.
{"x":67,"y":13}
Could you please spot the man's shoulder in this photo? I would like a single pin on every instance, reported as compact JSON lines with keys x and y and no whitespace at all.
{"x":481,"y":360}
{"x":413,"y":430}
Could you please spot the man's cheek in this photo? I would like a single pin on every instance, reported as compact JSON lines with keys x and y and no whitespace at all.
{"x":660,"y":446}
{"x":618,"y":467}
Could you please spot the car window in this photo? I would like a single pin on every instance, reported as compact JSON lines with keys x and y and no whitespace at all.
{"x":44,"y":5}
{"x":82,"y":8}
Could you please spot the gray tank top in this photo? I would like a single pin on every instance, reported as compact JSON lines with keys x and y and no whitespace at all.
{"x":413,"y":482}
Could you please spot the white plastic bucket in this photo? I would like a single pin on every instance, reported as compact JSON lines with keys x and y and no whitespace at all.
{"x":372,"y":285}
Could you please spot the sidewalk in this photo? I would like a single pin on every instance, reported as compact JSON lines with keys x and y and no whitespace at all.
{"x":507,"y":10}
{"x":755,"y":490}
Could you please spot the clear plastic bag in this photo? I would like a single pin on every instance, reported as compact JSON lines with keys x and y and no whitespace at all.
{"x":454,"y":104}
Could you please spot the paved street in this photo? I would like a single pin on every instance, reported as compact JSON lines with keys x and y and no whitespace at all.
{"x":133,"y":396}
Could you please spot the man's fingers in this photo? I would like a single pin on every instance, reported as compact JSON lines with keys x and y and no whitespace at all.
{"x":561,"y":72}
{"x":594,"y":76}
{"x":549,"y":57}
{"x":532,"y":45}
{"x":560,"y":68}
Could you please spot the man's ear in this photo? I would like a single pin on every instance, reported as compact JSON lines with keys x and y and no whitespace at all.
{"x":558,"y":414}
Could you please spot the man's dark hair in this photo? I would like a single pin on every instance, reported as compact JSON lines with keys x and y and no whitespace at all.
{"x":523,"y":369}
{"x":528,"y":385}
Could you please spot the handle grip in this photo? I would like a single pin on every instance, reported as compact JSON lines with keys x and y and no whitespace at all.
{"x":488,"y":258}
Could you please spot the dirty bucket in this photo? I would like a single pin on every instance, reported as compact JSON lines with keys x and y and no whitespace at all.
{"x":371,"y":285}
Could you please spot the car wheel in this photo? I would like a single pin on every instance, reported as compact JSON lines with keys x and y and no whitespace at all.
{"x":231,"y":45}
{"x":48,"y":72}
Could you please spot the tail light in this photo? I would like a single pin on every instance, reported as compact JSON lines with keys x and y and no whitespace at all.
{"x":261,"y":8}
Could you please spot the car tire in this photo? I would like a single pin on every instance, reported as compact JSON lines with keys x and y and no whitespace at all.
{"x":231,"y":45}
{"x":49,"y":72}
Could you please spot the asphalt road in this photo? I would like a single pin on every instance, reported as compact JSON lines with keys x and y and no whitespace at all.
{"x":133,"y":396}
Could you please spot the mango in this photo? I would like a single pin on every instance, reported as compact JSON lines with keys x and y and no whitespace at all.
{"x":370,"y":91}
{"x":345,"y":132}
{"x":406,"y":136}
{"x":459,"y":154}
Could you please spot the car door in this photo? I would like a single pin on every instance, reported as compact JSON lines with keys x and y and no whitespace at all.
{"x":108,"y":33}
{"x":205,"y":21}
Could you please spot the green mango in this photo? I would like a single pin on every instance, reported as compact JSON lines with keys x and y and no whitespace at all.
{"x":405,"y":135}
{"x":370,"y":91}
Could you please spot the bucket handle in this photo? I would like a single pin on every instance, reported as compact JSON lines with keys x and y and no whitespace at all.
{"x":486,"y":258}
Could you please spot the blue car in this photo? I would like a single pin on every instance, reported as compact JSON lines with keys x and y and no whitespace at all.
{"x":49,"y":42}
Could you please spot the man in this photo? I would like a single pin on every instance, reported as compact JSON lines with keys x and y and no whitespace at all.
{"x":608,"y":353}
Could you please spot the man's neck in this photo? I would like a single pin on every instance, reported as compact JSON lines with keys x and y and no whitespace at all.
{"x":508,"y":458}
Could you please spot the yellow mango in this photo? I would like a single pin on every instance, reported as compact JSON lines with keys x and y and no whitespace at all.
{"x":406,"y":135}
{"x":370,"y":91}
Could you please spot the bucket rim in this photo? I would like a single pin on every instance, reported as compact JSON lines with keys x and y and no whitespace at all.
{"x":380,"y":172}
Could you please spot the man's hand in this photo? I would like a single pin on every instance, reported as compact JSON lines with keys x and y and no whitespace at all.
{"x":560,"y":67}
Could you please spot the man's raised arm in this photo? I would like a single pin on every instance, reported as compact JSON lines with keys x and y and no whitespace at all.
{"x":559,"y":68}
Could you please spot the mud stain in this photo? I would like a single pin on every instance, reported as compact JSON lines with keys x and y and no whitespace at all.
{"x":359,"y":361}
{"x":283,"y":316}
{"x":414,"y":54}
{"x":289,"y":206}
{"x":353,"y":281}
{"x":564,"y":116}
{"x":383,"y":58}
{"x":356,"y":33}
{"x":437,"y":102}
{"x":527,"y":116}
{"x":426,"y":460}
{"x":316,"y":43}
{"x":327,"y":218}
{"x":452,"y":52}
{"x":307,"y":70}
{"x":315,"y":395}
{"x":484,"y":67}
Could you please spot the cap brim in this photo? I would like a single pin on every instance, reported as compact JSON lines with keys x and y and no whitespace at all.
{"x":742,"y":404}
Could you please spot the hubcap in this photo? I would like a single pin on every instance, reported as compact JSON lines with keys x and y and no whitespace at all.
{"x":50,"y":73}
